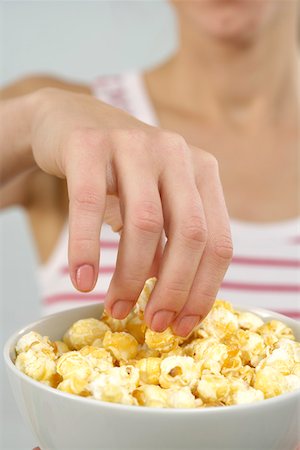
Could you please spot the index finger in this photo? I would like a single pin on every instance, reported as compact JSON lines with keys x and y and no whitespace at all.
{"x":86,"y":179}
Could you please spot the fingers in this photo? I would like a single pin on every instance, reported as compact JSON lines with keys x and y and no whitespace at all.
{"x":86,"y":178}
{"x":142,"y":228}
{"x":216,"y":257}
{"x":185,"y":226}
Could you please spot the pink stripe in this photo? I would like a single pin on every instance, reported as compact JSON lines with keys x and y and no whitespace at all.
{"x":73,"y":297}
{"x":102,"y":270}
{"x":296,"y":240}
{"x":260,"y":287}
{"x":265,"y":261}
{"x":109,"y":244}
{"x":286,"y":312}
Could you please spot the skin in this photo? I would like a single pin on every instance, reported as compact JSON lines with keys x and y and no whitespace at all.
{"x":206,"y":97}
{"x":103,"y":151}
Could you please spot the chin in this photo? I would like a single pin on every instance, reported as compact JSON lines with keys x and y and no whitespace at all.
{"x":232,"y":20}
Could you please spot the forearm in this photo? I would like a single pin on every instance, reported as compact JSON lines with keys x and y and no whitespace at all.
{"x":15,"y":130}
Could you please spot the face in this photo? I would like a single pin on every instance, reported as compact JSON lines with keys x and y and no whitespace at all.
{"x":231,"y":19}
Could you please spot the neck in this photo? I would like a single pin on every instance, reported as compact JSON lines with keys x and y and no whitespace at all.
{"x":223,"y":79}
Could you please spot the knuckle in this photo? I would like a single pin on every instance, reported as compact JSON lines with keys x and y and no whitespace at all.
{"x":195,"y":231}
{"x":82,"y":137}
{"x":132,"y":281}
{"x":135,"y":136}
{"x":207,"y":296}
{"x":210,"y":161}
{"x":87,"y":199}
{"x":173,"y":142}
{"x":148,"y":218}
{"x":222,"y":248}
{"x":176,"y":289}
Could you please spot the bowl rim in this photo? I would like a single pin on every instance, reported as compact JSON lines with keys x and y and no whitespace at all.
{"x":146,"y":409}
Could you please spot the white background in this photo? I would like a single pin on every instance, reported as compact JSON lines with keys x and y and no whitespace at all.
{"x":77,"y":40}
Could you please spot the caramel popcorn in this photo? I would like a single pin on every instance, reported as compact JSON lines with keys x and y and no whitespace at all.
{"x":75,"y":371}
{"x":231,"y":358}
{"x":149,"y":370}
{"x":60,"y":348}
{"x":122,"y":345}
{"x":221,"y":321}
{"x":84,"y":332}
{"x":163,"y":342}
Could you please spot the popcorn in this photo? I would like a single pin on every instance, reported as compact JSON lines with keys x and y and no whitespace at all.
{"x":181,"y":398}
{"x":280,"y":360}
{"x":221,"y":321}
{"x":30,"y":339}
{"x":232,"y":366}
{"x":246,"y":373}
{"x":122,"y":345}
{"x":270,"y":381}
{"x":98,"y":358}
{"x":249,"y":321}
{"x":212,"y":388}
{"x":114,"y":324}
{"x":231,"y":358}
{"x":247,"y":395}
{"x":75,"y":371}
{"x":277,"y":328}
{"x":149,"y":370}
{"x":144,"y":296}
{"x":163,"y":342}
{"x":291,"y":347}
{"x":252,"y":346}
{"x":101,"y":389}
{"x":152,"y":396}
{"x":146,"y":352}
{"x":292,"y":383}
{"x":125,"y":376}
{"x":137,"y":328}
{"x":60,"y":348}
{"x":296,"y":369}
{"x":210,"y":352}
{"x":39,"y":366}
{"x":115,"y":385}
{"x":84,"y":332}
{"x":178,"y":371}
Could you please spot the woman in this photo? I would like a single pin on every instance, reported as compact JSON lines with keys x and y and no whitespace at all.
{"x":232,"y":89}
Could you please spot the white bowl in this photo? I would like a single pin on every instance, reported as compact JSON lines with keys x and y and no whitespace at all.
{"x":63,"y":421}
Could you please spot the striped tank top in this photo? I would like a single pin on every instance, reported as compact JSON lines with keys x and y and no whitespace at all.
{"x":265,"y":270}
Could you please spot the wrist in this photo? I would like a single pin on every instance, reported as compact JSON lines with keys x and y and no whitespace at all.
{"x":15,"y":137}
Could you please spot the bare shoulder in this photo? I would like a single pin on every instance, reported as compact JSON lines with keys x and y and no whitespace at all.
{"x":28,"y":84}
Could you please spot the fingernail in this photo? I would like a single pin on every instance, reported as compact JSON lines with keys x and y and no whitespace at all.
{"x":161,"y":320}
{"x":85,"y":278}
{"x":121,"y":308}
{"x":186,"y":325}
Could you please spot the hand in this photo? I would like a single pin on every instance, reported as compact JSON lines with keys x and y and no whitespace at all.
{"x":162,"y":185}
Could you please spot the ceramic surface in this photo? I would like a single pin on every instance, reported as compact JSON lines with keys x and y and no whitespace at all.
{"x":62,"y":421}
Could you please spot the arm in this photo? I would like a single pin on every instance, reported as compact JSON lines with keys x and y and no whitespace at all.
{"x":17,"y":165}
